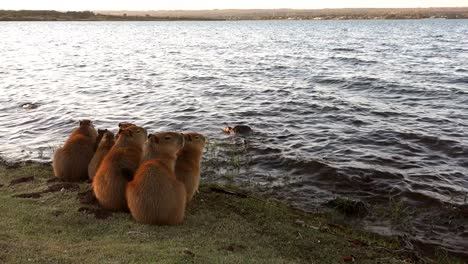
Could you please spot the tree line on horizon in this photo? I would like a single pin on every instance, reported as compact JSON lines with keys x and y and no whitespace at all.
{"x":236,"y":14}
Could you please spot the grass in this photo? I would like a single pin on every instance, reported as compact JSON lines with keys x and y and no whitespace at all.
{"x":219,"y":228}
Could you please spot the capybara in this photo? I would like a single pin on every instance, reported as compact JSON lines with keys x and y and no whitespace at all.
{"x":118,"y":167}
{"x":188,"y":162}
{"x":106,"y":143}
{"x":70,"y":162}
{"x":155,"y":196}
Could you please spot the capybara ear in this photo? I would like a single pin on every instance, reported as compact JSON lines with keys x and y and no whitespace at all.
{"x":149,"y":136}
{"x":101,"y":131}
{"x":121,"y":124}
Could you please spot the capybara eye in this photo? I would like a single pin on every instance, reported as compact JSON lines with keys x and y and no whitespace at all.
{"x":167,"y":137}
{"x":197,"y":137}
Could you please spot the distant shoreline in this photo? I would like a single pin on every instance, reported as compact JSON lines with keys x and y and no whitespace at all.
{"x":238,"y":14}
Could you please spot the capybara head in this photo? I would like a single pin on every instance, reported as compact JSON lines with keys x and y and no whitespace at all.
{"x":134,"y":134}
{"x":164,"y":143}
{"x":108,"y":138}
{"x":87,"y":128}
{"x":228,"y":130}
{"x":122,"y":126}
{"x":101,"y":133}
{"x":85,"y":122}
{"x":194,"y":140}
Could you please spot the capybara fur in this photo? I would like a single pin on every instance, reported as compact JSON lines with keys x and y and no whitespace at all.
{"x":122,"y":126}
{"x":106,"y":143}
{"x":188,"y":162}
{"x":99,"y":137}
{"x":155,"y":196}
{"x":118,"y":167}
{"x":70,"y":162}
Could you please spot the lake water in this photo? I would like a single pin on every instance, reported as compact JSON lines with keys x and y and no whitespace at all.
{"x":371,"y":110}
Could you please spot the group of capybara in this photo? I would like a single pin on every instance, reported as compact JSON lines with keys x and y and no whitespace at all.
{"x":153,"y":176}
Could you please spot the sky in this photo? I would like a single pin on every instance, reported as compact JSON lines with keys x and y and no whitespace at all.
{"x":218,"y":4}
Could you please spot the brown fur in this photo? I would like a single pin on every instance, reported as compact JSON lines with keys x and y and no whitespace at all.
{"x":70,"y":162}
{"x":118,"y":167}
{"x":188,"y":163}
{"x":155,"y":196}
{"x":104,"y":147}
{"x":101,"y":133}
{"x":122,"y":126}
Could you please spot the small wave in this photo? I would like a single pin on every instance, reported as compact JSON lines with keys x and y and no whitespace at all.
{"x":344,"y":49}
{"x":354,"y":61}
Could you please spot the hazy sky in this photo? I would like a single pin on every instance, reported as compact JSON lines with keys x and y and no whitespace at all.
{"x":220,"y":4}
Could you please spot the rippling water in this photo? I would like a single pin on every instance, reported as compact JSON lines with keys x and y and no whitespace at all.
{"x":364,"y":109}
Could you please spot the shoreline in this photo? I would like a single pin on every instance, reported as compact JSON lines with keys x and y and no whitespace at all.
{"x":239,"y":14}
{"x":311,"y":236}
{"x":224,"y":20}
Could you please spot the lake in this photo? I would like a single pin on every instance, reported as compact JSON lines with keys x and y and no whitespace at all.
{"x":369,"y":110}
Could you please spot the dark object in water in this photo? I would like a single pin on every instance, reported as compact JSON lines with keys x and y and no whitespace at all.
{"x":238,"y":130}
{"x":29,"y":106}
{"x":348,"y":207}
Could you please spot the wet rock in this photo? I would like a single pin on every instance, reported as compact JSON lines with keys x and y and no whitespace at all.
{"x":97,"y":212}
{"x":21,"y":180}
{"x":348,"y":207}
{"x":34,"y":195}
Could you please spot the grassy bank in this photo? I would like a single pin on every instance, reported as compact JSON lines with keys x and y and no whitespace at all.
{"x":59,"y":224}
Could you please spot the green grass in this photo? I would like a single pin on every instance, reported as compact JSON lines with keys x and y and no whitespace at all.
{"x":218,"y":228}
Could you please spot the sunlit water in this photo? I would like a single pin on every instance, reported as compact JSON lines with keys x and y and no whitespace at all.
{"x":372,"y":110}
